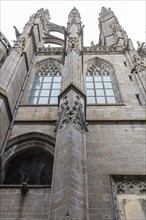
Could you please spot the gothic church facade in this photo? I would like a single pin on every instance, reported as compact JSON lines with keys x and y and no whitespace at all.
{"x":72,"y":122}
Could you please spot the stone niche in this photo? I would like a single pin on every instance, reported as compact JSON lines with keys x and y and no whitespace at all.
{"x":129,"y":196}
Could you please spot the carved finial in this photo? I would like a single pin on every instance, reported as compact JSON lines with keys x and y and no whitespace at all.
{"x":17,"y":33}
{"x":74,"y":16}
{"x":104,"y":11}
{"x":47,"y":14}
{"x":141,"y":47}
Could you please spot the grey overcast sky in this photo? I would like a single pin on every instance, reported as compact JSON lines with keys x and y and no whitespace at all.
{"x":131,"y":15}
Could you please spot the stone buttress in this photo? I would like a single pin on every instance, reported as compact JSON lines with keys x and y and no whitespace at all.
{"x":69,"y":193}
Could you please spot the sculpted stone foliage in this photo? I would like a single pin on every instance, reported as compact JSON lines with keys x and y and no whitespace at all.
{"x":71,"y":114}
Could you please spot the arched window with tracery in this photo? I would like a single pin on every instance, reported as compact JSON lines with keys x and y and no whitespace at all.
{"x":33,"y":167}
{"x":47,"y":84}
{"x":99,"y":84}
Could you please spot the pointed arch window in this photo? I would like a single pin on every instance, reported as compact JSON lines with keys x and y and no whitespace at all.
{"x":99,"y":84}
{"x":46,"y":86}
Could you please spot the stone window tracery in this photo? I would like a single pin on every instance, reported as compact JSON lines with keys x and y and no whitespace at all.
{"x":46,"y":86}
{"x":99,"y":84}
{"x":129,"y":197}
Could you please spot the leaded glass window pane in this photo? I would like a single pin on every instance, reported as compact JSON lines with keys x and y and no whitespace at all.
{"x":108,"y":85}
{"x":99,"y":84}
{"x":101,"y":100}
{"x":90,"y":99}
{"x":109,"y":92}
{"x":34,"y":92}
{"x":36,"y":86}
{"x":90,"y":93}
{"x":98,"y":78}
{"x":44,"y":92}
{"x":55,"y":92}
{"x":32,"y":100}
{"x":56,"y":86}
{"x":100,"y":92}
{"x":57,"y":79}
{"x":89,"y":79}
{"x":53,"y":100}
{"x":90,"y":85}
{"x":46,"y":86}
{"x":43,"y":100}
{"x":38,"y":78}
{"x":106,"y":78}
{"x":111,"y":100}
{"x":47,"y":79}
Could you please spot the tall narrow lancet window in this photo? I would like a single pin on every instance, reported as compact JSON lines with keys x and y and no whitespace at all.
{"x":46,"y":86}
{"x":99,"y":84}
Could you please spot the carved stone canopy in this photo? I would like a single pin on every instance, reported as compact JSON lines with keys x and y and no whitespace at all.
{"x":72,"y":109}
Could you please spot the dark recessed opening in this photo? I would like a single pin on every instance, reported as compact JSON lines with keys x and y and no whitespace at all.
{"x":33,"y":167}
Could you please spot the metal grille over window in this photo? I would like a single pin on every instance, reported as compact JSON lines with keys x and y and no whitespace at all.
{"x":99,"y":84}
{"x":46,"y":86}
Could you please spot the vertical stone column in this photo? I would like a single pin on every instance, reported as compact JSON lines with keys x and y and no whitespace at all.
{"x":69,"y":193}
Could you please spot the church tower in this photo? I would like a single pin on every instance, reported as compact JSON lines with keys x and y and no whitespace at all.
{"x":72,"y":138}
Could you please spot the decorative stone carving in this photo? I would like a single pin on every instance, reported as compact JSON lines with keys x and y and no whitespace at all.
{"x":74,"y":16}
{"x":104,"y":12}
{"x":50,"y":50}
{"x":18,"y":45}
{"x":17,"y":33}
{"x":98,"y":68}
{"x":116,"y":27}
{"x":127,"y":187}
{"x":141,"y":47}
{"x":71,"y":114}
{"x":40,"y":13}
{"x":73,"y":31}
{"x":51,"y":67}
{"x":138,"y":64}
{"x":4,"y":40}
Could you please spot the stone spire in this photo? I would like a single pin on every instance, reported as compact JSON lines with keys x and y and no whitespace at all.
{"x":73,"y":49}
{"x":111,"y":32}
